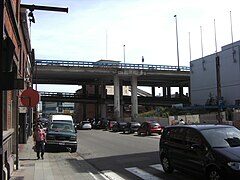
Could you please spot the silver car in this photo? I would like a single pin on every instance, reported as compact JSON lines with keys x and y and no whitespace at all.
{"x":85,"y":125}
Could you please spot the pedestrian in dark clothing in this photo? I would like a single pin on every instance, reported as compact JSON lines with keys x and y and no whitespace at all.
{"x":39,"y":137}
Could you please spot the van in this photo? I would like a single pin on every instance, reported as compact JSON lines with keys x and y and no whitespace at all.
{"x":61,"y":117}
{"x":208,"y":151}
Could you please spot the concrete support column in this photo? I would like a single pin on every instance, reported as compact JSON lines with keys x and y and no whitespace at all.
{"x":116,"y":98}
{"x":169,"y":92}
{"x":180,"y":91}
{"x":153,"y":91}
{"x":84,"y":90}
{"x":134,"y":98}
{"x":96,"y":116}
{"x":84,"y":105}
{"x":97,"y":105}
{"x":164,"y":92}
{"x":189,"y":92}
{"x":103,"y":102}
{"x":103,"y":111}
{"x":121,"y":101}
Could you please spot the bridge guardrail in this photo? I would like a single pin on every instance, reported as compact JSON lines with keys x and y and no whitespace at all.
{"x":88,"y":64}
{"x":67,"y":95}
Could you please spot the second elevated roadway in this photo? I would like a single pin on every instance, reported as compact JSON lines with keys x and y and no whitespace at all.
{"x":95,"y":73}
{"x":93,"y":99}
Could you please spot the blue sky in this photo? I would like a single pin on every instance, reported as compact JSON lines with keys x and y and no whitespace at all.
{"x":98,"y":29}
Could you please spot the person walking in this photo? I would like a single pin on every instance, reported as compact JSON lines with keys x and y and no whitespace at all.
{"x":39,"y":136}
{"x":181,"y":122}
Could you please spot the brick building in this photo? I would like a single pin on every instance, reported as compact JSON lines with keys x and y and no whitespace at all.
{"x":16,"y":72}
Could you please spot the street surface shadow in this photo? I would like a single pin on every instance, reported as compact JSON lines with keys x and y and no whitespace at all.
{"x":118,"y":164}
{"x":57,"y":149}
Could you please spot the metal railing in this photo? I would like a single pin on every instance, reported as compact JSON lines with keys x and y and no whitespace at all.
{"x":116,"y":65}
{"x":67,"y":95}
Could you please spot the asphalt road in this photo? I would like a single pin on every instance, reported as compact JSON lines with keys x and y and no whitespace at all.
{"x":124,"y":156}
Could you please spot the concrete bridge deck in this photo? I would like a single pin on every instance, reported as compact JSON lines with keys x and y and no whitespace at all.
{"x":94,"y":99}
{"x":82,"y":72}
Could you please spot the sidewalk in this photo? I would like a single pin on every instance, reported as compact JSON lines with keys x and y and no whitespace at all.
{"x":59,"y":166}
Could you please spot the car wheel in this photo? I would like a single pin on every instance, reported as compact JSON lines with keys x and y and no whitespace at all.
{"x":214,"y":174}
{"x":123,"y":131}
{"x":166,"y":165}
{"x":148,"y":133}
{"x":138,"y":133}
{"x":73,"y":150}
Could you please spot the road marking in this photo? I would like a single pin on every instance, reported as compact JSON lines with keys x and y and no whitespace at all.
{"x":96,"y":178}
{"x":112,"y":175}
{"x":142,"y":174}
{"x":157,"y":166}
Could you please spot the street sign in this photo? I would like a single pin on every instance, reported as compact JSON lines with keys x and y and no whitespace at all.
{"x":30,"y":97}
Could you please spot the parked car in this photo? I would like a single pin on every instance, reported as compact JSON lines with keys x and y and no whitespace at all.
{"x":118,"y":126}
{"x":131,"y":127}
{"x":85,"y":125}
{"x":110,"y":125}
{"x":150,"y":127}
{"x":99,"y":124}
{"x":61,"y":134}
{"x":212,"y":151}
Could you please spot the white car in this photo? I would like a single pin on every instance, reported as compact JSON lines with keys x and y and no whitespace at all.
{"x":85,"y":125}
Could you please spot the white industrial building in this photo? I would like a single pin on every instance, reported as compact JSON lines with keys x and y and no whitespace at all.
{"x":204,"y":76}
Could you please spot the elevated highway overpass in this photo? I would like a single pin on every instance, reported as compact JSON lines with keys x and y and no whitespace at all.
{"x":100,"y":74}
{"x":82,"y":72}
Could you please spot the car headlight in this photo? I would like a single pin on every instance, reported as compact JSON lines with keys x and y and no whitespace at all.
{"x":73,"y":138}
{"x":234,"y":165}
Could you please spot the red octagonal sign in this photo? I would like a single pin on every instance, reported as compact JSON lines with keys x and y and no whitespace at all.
{"x":30,"y":97}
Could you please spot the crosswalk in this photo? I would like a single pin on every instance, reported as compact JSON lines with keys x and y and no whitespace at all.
{"x":140,"y":173}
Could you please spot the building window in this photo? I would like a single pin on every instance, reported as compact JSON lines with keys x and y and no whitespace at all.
{"x":237,"y":102}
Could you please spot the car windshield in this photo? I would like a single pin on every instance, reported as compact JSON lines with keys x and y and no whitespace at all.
{"x":61,"y":127}
{"x":155,"y":124}
{"x":135,"y":124}
{"x":86,"y":122}
{"x":222,"y":137}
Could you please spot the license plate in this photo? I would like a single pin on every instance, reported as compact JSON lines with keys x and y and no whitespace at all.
{"x":61,"y":144}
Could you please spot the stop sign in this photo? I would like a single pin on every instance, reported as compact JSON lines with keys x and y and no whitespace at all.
{"x":30,"y":97}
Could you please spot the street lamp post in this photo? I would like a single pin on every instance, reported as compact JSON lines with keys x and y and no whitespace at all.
{"x":178,"y":69}
{"x":124,"y":53}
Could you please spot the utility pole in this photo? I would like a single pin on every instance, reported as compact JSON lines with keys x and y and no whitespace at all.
{"x":124,"y":53}
{"x":178,"y":69}
{"x":219,"y":92}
